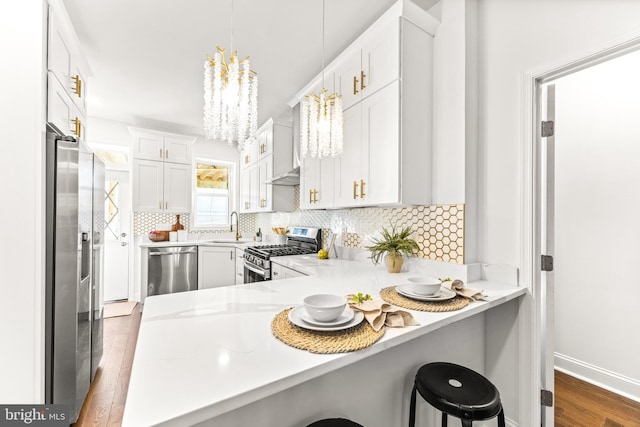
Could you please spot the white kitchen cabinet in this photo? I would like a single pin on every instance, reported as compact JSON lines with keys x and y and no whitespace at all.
{"x":65,"y":61}
{"x":249,"y":154}
{"x":239,"y":266}
{"x":369,"y":169}
{"x":387,"y":100}
{"x":161,"y":187}
{"x":281,"y":272}
{"x":249,"y":193}
{"x":62,"y":112}
{"x":216,"y":266}
{"x":160,"y":146}
{"x":317,"y":183}
{"x":265,"y":201}
{"x":269,"y":155}
{"x":162,"y":180}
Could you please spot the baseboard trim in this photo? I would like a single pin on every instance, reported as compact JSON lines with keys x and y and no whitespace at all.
{"x":616,"y":383}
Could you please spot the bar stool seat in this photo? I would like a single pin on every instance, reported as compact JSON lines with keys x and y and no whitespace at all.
{"x":456,"y":391}
{"x":334,"y":422}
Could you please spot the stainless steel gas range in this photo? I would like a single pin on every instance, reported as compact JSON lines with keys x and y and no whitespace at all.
{"x":300,"y":241}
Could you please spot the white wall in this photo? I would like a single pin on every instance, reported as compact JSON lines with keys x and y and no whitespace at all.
{"x":597,"y":286}
{"x":516,"y":36}
{"x":22,"y":214}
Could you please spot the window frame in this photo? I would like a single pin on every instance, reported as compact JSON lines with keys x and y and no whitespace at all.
{"x":233,"y":192}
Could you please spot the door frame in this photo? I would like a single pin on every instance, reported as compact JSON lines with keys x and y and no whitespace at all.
{"x":530,"y":326}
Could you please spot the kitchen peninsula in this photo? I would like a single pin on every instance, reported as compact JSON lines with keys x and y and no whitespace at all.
{"x":209,"y":357}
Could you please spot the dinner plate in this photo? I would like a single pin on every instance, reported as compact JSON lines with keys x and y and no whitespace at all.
{"x":345,"y":317}
{"x":294,"y":317}
{"x":443,"y":295}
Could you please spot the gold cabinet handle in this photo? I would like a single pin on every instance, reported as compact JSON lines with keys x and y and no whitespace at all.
{"x":166,"y":154}
{"x":355,"y":85}
{"x":315,"y":195}
{"x":362,"y":76}
{"x":355,"y":190}
{"x":362,"y":184}
{"x":246,"y":159}
{"x":77,"y":126}
{"x":161,"y":153}
{"x":77,"y":89}
{"x":159,"y":204}
{"x":310,"y":196}
{"x":166,"y":205}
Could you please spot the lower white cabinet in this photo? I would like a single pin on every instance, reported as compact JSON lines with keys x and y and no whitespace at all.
{"x":239,"y":266}
{"x":281,"y":272}
{"x":216,"y":266}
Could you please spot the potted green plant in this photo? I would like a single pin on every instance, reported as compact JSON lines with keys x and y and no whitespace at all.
{"x":394,"y":245}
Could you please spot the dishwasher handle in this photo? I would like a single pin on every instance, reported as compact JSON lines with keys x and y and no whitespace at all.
{"x":191,"y":251}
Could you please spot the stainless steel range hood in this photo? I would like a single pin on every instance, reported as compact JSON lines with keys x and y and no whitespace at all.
{"x":293,"y":176}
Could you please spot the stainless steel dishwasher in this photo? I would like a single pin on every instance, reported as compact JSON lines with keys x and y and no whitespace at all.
{"x":172,"y":269}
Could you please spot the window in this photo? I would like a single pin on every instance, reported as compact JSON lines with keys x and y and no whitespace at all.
{"x":214,"y":193}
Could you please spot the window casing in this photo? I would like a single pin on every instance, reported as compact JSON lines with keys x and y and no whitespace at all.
{"x":214,"y":193}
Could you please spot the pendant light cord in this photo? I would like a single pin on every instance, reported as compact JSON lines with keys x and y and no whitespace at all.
{"x":231,"y":44}
{"x":322,"y":45}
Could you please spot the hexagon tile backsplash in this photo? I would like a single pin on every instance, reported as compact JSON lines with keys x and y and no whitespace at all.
{"x":438,"y":230}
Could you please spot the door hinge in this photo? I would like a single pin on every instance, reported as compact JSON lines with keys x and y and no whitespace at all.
{"x":546,"y":398}
{"x":546,"y":263}
{"x":547,"y":128}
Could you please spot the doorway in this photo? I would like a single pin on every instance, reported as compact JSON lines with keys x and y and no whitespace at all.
{"x":117,"y":218}
{"x":587,"y":210}
{"x":117,"y":204}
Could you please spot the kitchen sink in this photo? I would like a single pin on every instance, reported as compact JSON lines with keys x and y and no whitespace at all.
{"x":231,"y":240}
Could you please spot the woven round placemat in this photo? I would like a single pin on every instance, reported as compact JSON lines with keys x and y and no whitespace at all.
{"x":392,"y":297}
{"x":352,"y":339}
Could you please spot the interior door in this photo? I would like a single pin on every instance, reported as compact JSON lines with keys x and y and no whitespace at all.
{"x":547,"y":203}
{"x":116,"y":235}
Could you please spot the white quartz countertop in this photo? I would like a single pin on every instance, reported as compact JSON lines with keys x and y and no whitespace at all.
{"x":216,"y":242}
{"x":204,"y":353}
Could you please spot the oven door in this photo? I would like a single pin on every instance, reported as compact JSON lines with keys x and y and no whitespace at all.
{"x":253,"y":273}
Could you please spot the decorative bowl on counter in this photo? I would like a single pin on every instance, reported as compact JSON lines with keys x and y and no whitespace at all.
{"x":325,"y":307}
{"x":159,"y":236}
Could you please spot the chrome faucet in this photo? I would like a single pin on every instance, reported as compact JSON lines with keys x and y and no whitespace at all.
{"x":238,"y":236}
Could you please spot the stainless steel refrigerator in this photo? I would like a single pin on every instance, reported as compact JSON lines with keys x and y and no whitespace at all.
{"x":74,"y":253}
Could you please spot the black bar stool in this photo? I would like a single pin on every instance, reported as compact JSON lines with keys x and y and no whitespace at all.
{"x":456,"y":391}
{"x":334,"y":422}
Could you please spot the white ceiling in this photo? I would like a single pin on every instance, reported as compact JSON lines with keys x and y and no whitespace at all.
{"x":147,"y":56}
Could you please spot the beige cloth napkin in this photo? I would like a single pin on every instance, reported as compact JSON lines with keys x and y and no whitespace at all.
{"x":458,"y":287}
{"x":379,"y":313}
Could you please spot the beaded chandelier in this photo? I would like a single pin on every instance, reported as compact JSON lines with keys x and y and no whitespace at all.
{"x":230,"y":97}
{"x":321,"y":120}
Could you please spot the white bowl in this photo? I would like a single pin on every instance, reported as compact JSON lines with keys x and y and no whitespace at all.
{"x":425,"y":285}
{"x":325,"y":307}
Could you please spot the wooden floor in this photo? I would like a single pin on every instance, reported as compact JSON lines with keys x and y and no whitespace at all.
{"x":580,"y":404}
{"x":105,"y":401}
{"x":577,"y":404}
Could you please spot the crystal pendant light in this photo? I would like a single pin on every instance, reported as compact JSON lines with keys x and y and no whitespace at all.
{"x":321,"y":119}
{"x":230,"y":97}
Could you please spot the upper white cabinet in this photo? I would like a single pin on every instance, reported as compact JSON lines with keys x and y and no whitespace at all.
{"x":66,"y":76}
{"x":161,"y":171}
{"x":158,"y":146}
{"x":317,"y":183}
{"x":269,"y":155}
{"x":370,"y":66}
{"x":385,"y":79}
